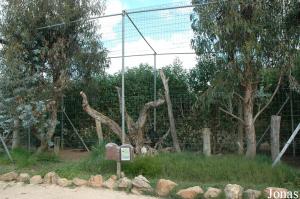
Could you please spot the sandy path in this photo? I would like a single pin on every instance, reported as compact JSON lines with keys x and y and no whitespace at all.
{"x":21,"y":191}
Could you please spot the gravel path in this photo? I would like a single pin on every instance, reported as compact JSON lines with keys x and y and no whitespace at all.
{"x":21,"y":191}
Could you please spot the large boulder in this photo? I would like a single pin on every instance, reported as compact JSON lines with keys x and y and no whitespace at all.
{"x":63,"y":182}
{"x":164,"y":187}
{"x":252,"y":194}
{"x":51,"y":178}
{"x":233,"y":191}
{"x":11,"y":176}
{"x":124,"y":183}
{"x":190,"y":193}
{"x":111,"y":182}
{"x":24,"y":177}
{"x":275,"y":192}
{"x":79,"y":182}
{"x":141,"y":184}
{"x":96,"y":181}
{"x":212,"y":193}
{"x":37,"y":179}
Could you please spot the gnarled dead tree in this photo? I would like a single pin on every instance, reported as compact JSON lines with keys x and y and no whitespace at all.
{"x":136,"y":130}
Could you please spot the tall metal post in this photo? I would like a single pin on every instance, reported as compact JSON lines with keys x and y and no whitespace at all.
{"x":123,"y":78}
{"x":154,"y":92}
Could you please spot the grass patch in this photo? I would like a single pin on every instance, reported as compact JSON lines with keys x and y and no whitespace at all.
{"x":186,"y":169}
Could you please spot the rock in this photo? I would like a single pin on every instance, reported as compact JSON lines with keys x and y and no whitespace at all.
{"x":63,"y":182}
{"x":111,"y":182}
{"x":79,"y":182}
{"x":141,"y":183}
{"x":11,"y":176}
{"x":24,"y":177}
{"x":212,"y":192}
{"x":233,"y":191}
{"x":190,"y":193}
{"x":37,"y":179}
{"x":51,"y":178}
{"x":275,"y":192}
{"x":124,"y":183}
{"x":164,"y":187}
{"x":123,"y":175}
{"x":136,"y":191}
{"x":96,"y":181}
{"x":252,"y":194}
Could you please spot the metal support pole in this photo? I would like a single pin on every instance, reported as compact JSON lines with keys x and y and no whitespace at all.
{"x":286,"y":145}
{"x":6,"y":149}
{"x":123,"y":76}
{"x":154,"y":92}
{"x":292,"y":122}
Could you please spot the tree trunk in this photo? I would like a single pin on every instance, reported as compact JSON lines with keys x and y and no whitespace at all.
{"x":170,"y":111}
{"x":240,"y":130}
{"x":52,"y":108}
{"x":249,"y":122}
{"x":16,"y":134}
{"x":99,"y":131}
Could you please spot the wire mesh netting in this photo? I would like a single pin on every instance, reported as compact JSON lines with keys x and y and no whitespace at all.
{"x":156,"y":35}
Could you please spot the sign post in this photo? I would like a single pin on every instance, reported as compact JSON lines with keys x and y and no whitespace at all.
{"x":119,"y":154}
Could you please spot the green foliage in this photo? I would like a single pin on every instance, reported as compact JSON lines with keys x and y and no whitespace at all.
{"x":23,"y":158}
{"x":37,"y":64}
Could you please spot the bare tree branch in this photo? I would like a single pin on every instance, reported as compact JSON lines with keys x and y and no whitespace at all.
{"x":238,"y":95}
{"x":101,"y":117}
{"x":232,"y":115}
{"x":143,"y":114}
{"x":270,"y":100}
{"x":170,"y":111}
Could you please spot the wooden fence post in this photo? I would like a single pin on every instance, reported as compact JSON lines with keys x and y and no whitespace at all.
{"x":206,"y":141}
{"x":275,"y":136}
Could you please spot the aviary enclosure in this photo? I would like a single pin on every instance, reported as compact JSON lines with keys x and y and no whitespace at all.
{"x":125,"y":104}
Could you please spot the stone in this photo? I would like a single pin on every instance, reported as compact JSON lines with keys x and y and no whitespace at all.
{"x":11,"y":176}
{"x":275,"y":192}
{"x":79,"y":182}
{"x":51,"y":178}
{"x":141,"y":183}
{"x":190,"y":193}
{"x":124,"y":183}
{"x":96,"y":181}
{"x":212,"y":193}
{"x":164,"y":187}
{"x":252,"y":194}
{"x":63,"y":182}
{"x":111,"y":182}
{"x":24,"y":177}
{"x":233,"y":191}
{"x":37,"y":179}
{"x":136,"y":191}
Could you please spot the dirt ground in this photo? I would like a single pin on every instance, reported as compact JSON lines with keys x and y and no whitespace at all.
{"x":73,"y":154}
{"x":21,"y":191}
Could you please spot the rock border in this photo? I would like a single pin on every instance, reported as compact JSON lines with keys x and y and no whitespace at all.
{"x":140,"y":185}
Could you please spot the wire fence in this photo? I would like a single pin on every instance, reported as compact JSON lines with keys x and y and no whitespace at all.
{"x":156,"y":35}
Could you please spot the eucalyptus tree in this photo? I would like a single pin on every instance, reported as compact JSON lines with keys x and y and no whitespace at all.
{"x":40,"y":62}
{"x":247,"y":37}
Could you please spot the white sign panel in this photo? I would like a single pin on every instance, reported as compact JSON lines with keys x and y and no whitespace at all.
{"x":125,"y":154}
